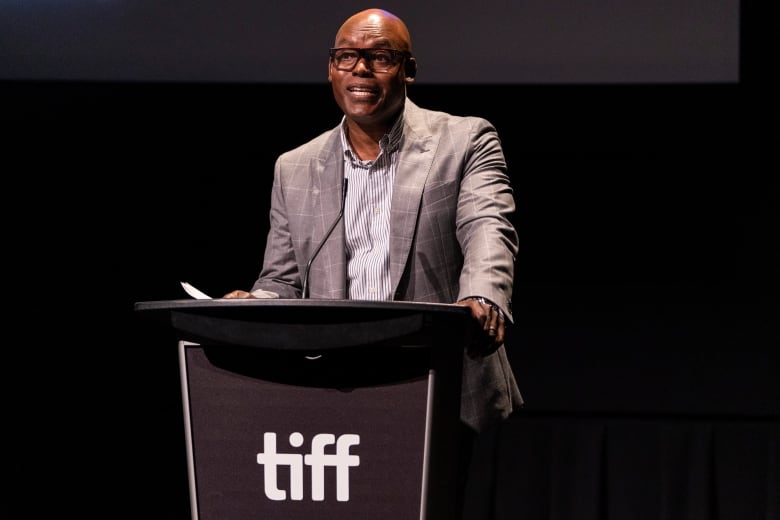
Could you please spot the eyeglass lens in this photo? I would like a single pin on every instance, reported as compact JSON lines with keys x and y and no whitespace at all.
{"x":378,"y":60}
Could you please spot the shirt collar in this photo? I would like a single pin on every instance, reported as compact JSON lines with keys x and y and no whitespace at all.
{"x":388,"y":143}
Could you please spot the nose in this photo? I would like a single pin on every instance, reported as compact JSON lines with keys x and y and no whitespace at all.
{"x":361,"y":67}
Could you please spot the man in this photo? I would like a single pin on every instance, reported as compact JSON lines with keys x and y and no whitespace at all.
{"x":426,"y":213}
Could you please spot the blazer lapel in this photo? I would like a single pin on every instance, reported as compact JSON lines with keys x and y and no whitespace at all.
{"x":414,"y":164}
{"x":328,"y":171}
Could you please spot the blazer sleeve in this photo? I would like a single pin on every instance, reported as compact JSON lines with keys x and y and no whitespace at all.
{"x":280,"y":273}
{"x":484,"y":228}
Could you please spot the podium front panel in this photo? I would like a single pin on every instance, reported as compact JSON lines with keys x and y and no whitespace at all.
{"x":263,"y":448}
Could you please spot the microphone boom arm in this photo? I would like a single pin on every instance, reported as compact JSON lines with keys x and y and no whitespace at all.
{"x":305,"y":289}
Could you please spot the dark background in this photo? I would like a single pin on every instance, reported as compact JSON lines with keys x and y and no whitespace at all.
{"x":645,"y":295}
{"x":240,"y":41}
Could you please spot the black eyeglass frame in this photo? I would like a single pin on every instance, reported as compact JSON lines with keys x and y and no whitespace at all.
{"x":363,"y":53}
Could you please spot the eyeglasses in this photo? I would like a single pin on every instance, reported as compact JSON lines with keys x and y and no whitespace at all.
{"x":377,"y":60}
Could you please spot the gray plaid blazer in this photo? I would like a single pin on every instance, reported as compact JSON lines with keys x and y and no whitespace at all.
{"x":451,"y":233}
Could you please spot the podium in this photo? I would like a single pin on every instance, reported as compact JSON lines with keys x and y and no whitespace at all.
{"x":326,"y":409}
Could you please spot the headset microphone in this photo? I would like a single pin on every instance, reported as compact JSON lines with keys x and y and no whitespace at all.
{"x":410,"y":68}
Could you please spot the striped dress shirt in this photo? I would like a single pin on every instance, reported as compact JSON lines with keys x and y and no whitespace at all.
{"x":367,"y":216}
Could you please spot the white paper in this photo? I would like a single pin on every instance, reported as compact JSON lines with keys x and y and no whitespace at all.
{"x":195,"y":293}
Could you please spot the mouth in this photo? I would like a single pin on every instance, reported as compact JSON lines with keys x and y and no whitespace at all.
{"x":362,"y":91}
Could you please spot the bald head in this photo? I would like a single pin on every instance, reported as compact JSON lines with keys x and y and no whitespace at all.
{"x":381,"y":28}
{"x":371,"y":98}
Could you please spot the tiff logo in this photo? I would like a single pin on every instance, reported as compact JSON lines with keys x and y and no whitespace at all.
{"x":317,"y":459}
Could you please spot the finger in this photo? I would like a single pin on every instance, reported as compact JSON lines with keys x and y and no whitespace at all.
{"x":483,"y":315}
{"x":479,"y":312}
{"x":491,"y":322}
{"x":501,"y":332}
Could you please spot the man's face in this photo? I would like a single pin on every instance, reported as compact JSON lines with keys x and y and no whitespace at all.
{"x":369,"y":97}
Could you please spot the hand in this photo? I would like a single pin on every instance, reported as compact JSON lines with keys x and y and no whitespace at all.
{"x":490,"y":327}
{"x":239,"y":294}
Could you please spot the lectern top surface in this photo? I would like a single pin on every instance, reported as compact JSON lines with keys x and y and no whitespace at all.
{"x":217,"y":303}
{"x":303,"y":324}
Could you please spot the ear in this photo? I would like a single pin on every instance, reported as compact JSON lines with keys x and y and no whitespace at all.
{"x":410,"y":69}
